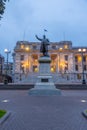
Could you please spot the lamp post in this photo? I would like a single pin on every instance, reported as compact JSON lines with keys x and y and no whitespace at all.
{"x":7,"y":53}
{"x":82,"y":52}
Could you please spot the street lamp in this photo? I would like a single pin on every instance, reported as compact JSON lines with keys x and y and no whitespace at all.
{"x":7,"y":52}
{"x":82,"y":52}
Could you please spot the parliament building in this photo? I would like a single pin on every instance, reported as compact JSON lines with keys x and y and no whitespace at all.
{"x":68,"y":63}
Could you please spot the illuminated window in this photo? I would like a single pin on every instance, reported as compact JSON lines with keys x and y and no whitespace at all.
{"x":35,"y":68}
{"x":76,"y":58}
{"x":79,"y":58}
{"x":53,"y":69}
{"x":78,"y":76}
{"x":22,"y":46}
{"x":27,"y":48}
{"x":66,"y":66}
{"x":66,"y":47}
{"x":60,"y":48}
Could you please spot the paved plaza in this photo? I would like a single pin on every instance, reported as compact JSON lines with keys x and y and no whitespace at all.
{"x":44,"y":112}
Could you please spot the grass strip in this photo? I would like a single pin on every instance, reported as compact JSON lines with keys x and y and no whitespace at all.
{"x":2,"y":113}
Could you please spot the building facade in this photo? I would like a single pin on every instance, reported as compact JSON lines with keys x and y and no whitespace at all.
{"x":8,"y":68}
{"x":68,"y":65}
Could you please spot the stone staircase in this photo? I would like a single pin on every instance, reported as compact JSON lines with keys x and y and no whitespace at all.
{"x":30,"y":78}
{"x":57,"y":79}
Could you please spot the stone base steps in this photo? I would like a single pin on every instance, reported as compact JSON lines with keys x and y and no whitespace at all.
{"x":44,"y":92}
{"x":27,"y":86}
{"x":57,"y":79}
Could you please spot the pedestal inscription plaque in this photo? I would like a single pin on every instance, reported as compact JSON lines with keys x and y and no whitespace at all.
{"x":44,"y":80}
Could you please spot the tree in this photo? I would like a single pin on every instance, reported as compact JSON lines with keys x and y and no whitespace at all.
{"x":2,"y":7}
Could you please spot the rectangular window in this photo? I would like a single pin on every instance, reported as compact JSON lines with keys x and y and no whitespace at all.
{"x":76,"y":67}
{"x":21,"y":57}
{"x":66,"y":57}
{"x":35,"y":47}
{"x":76,"y":58}
{"x":84,"y":67}
{"x":35,"y":68}
{"x":78,"y":76}
{"x":84,"y":58}
{"x":66,"y":46}
{"x":66,"y":66}
{"x":21,"y":68}
{"x":53,"y":47}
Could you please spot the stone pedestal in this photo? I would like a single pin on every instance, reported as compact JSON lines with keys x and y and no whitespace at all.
{"x":44,"y":85}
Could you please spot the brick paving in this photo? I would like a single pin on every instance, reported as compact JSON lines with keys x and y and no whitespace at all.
{"x":44,"y":112}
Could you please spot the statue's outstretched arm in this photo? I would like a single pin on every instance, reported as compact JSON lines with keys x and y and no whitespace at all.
{"x":48,"y":40}
{"x":38,"y":38}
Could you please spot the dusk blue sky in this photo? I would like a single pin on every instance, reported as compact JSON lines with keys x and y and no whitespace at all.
{"x":64,"y":20}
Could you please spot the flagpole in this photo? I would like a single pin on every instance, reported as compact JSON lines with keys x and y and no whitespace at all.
{"x":64,"y":36}
{"x":24,"y":35}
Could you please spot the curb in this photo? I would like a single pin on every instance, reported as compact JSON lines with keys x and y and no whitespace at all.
{"x":5,"y":117}
{"x":84,"y":113}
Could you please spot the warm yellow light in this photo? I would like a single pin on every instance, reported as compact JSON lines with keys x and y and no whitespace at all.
{"x":23,"y":65}
{"x":60,"y":48}
{"x":26,"y":64}
{"x":22,"y":46}
{"x":52,"y":69}
{"x":27,"y":48}
{"x":36,"y":70}
{"x":35,"y":60}
{"x":79,"y":58}
{"x":62,"y":64}
{"x":66,"y":46}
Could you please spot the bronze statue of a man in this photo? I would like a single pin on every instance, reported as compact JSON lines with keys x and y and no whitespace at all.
{"x":44,"y":45}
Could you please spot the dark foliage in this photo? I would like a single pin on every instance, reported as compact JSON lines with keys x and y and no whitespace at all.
{"x":2,"y":7}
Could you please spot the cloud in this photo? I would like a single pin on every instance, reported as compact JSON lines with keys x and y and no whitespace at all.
{"x":32,"y":16}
